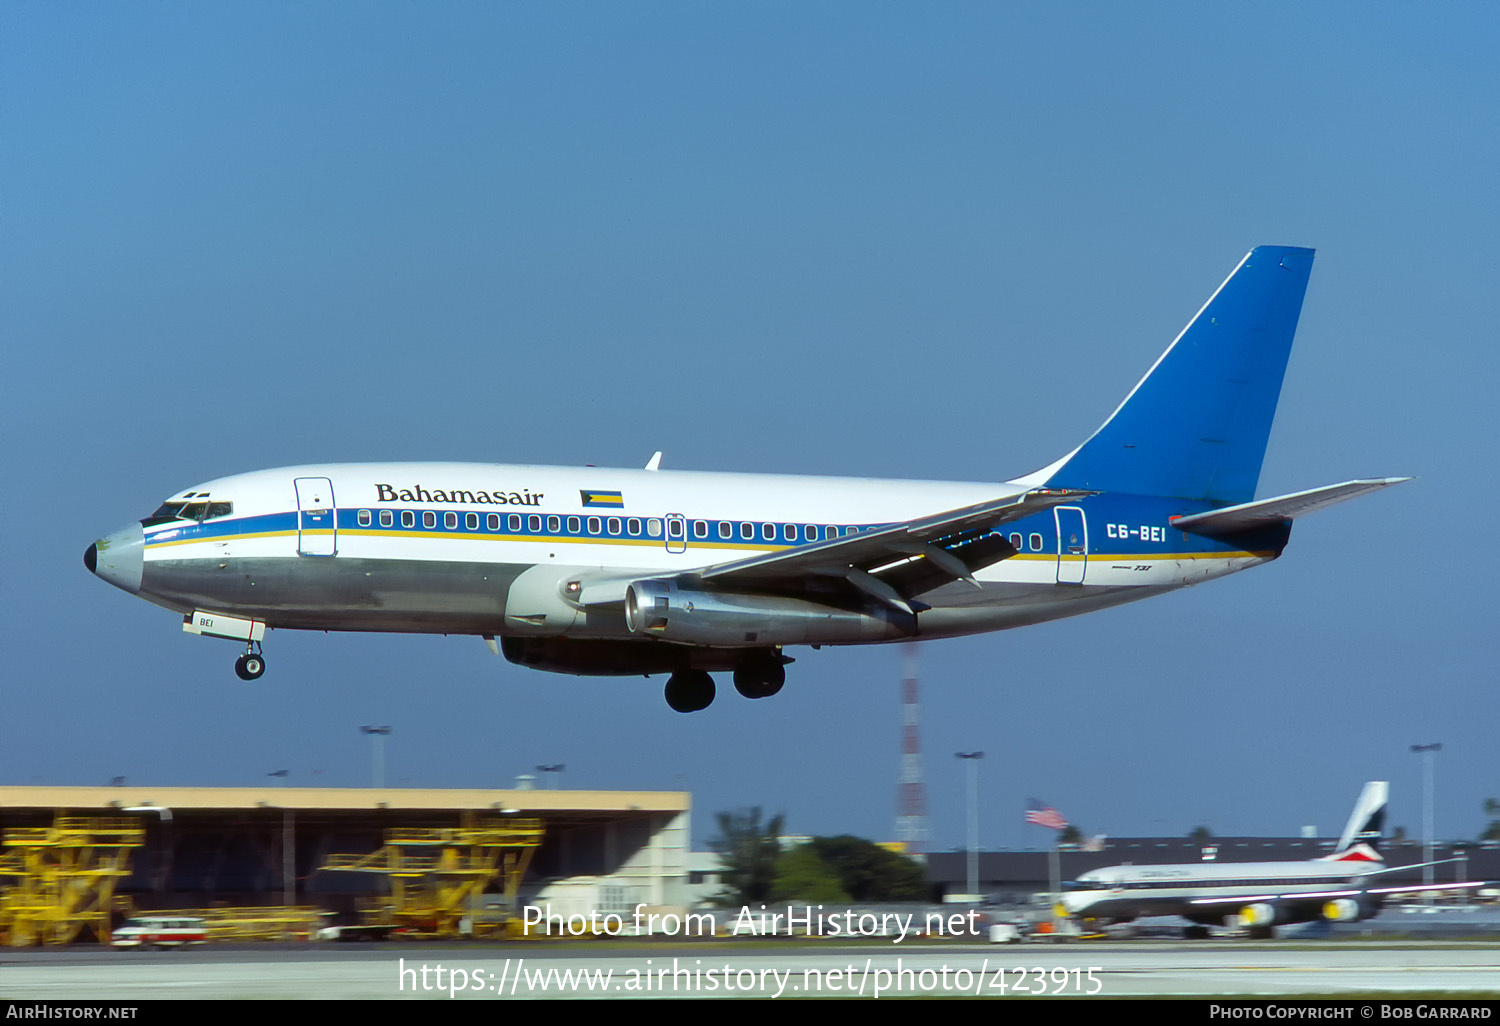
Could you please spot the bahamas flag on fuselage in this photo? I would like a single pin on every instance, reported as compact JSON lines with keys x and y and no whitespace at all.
{"x":613,"y":500}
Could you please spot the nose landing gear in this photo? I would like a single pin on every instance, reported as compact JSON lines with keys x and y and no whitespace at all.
{"x":250,"y":665}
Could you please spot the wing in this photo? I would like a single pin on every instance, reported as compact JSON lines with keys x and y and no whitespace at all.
{"x":896,"y":563}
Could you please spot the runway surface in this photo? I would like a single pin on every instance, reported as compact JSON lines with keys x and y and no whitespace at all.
{"x":456,"y":972}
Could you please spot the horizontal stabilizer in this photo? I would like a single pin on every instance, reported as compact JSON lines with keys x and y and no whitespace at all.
{"x":1250,"y":515}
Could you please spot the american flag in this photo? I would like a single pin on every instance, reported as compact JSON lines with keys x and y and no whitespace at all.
{"x":1044,"y":815}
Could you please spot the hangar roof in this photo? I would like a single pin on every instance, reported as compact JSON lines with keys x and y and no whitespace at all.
{"x":353,"y":799}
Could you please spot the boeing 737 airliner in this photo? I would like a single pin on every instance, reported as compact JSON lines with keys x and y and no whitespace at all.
{"x":1255,"y":895}
{"x":593,"y":571}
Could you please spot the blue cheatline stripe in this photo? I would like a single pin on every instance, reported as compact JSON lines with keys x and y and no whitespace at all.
{"x":1197,"y":424}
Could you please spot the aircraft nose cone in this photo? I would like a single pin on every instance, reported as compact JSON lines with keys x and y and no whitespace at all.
{"x":119,"y":558}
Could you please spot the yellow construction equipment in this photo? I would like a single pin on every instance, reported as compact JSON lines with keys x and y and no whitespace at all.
{"x":437,"y":876}
{"x":66,"y":876}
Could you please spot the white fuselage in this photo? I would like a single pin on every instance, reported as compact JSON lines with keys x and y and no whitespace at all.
{"x":443,"y":547}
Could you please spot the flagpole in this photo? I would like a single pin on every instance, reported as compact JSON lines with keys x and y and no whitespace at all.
{"x":1055,"y":871}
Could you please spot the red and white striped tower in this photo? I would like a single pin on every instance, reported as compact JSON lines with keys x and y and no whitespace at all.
{"x":911,"y":793}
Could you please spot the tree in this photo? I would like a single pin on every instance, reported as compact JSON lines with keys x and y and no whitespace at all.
{"x":803,"y":876}
{"x":1491,"y":832}
{"x":1201,"y":835}
{"x":869,"y":872}
{"x":748,"y":852}
{"x":1070,"y":834}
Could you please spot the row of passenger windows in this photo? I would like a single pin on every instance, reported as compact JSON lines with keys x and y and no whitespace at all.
{"x":632,"y":527}
{"x":1152,"y":885}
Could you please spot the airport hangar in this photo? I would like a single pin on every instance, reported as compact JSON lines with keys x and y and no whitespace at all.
{"x":207,"y":846}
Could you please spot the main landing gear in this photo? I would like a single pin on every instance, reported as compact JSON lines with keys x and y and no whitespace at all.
{"x":250,"y":665}
{"x":759,"y":675}
{"x":690,"y":690}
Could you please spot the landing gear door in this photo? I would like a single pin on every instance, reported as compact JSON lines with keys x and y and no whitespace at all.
{"x":317,"y":530}
{"x":676,"y":532}
{"x":1072,"y":544}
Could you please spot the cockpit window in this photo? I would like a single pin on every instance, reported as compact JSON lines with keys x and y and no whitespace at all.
{"x":178,"y":509}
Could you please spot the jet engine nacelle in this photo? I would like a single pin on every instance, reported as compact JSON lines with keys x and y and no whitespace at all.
{"x":664,"y":608}
{"x":1344,"y":910}
{"x":1259,"y":914}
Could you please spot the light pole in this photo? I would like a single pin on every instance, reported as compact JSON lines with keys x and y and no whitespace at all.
{"x":1427,"y":751}
{"x":377,"y":740}
{"x":972,"y":758}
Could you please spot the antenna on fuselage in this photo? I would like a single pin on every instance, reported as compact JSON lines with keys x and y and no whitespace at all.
{"x":655,"y":462}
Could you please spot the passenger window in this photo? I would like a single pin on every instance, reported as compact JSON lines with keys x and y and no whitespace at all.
{"x":700,"y":529}
{"x":653,"y":528}
{"x":768,"y":532}
{"x":574,"y":525}
{"x":633,"y":526}
{"x":593,"y":525}
{"x":364,"y":518}
{"x":386,"y":520}
{"x":747,"y":532}
{"x":492,"y":521}
{"x":1036,"y":543}
{"x":1015,"y":542}
{"x":534,"y":524}
{"x":450,"y":520}
{"x":429,"y":519}
{"x":726,"y":530}
{"x":513,"y":522}
{"x":408,"y":518}
{"x":554,"y":525}
{"x":471,"y":521}
{"x":614,"y":525}
{"x":811,"y":533}
{"x":789,"y":532}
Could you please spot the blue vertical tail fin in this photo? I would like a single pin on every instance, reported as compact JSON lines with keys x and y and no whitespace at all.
{"x":1196,"y":425}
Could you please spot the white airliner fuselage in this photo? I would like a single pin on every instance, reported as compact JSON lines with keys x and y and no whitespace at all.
{"x":598,"y":571}
{"x":1258,"y":896}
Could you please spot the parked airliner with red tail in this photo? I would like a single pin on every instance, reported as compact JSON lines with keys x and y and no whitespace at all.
{"x":1257,"y":896}
{"x":595,"y":571}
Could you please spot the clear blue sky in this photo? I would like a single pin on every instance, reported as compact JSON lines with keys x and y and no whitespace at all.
{"x":935,"y":240}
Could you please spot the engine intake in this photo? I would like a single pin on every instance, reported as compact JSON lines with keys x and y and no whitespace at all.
{"x":1259,"y":914}
{"x":1344,"y":910}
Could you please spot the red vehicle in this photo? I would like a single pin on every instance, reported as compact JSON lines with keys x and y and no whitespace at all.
{"x":160,"y":932}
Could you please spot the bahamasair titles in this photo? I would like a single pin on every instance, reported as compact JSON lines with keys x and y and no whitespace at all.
{"x":1349,"y":883}
{"x":650,"y":571}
